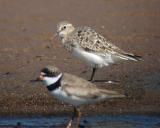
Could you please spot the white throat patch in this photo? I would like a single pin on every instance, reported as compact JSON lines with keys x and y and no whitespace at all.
{"x":51,"y":80}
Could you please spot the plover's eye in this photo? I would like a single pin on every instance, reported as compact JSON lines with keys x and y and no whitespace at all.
{"x":45,"y":76}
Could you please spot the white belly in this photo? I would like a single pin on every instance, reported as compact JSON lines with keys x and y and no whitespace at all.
{"x":61,"y":95}
{"x":74,"y":100}
{"x":91,"y":58}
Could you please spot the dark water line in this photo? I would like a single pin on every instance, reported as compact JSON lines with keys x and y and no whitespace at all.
{"x":132,"y":121}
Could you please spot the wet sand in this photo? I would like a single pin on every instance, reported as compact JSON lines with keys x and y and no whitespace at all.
{"x":25,"y":47}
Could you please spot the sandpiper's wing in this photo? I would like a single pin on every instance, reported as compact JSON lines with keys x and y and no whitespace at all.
{"x":79,"y":87}
{"x":91,"y":41}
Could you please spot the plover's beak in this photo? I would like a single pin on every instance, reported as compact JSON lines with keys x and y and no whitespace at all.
{"x":40,"y":78}
{"x":54,"y":36}
{"x":36,"y":80}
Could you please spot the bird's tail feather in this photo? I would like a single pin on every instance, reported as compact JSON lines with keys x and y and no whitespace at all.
{"x":132,"y":57}
{"x":113,"y":94}
{"x":126,"y":56}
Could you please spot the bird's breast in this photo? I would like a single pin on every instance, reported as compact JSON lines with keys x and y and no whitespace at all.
{"x":90,"y":58}
{"x":63,"y":96}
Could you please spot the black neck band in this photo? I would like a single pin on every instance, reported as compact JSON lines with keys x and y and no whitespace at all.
{"x":55,"y":85}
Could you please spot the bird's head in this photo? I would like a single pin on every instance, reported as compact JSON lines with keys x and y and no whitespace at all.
{"x":64,"y":28}
{"x":49,"y":75}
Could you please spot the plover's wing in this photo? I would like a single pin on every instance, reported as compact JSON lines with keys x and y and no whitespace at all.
{"x":81,"y":88}
{"x":91,"y":41}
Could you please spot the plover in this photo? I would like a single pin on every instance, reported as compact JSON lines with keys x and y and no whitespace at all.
{"x":91,"y":47}
{"x":73,"y":90}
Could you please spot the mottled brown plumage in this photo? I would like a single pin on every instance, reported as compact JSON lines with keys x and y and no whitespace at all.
{"x":91,"y":47}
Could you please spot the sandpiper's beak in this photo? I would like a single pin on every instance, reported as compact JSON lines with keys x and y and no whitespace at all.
{"x":54,"y":36}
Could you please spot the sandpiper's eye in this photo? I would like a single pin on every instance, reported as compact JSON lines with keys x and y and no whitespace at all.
{"x":63,"y":28}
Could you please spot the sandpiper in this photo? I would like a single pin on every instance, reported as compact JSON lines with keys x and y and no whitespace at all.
{"x":73,"y":90}
{"x":91,"y":47}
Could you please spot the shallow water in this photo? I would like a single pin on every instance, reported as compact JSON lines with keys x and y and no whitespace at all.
{"x":120,"y":121}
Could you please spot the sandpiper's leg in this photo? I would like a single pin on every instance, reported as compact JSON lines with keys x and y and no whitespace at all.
{"x":73,"y":116}
{"x":78,"y":115}
{"x":93,"y":73}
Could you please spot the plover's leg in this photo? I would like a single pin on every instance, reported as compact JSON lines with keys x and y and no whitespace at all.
{"x":73,"y":116}
{"x":69,"y":124}
{"x":78,"y":115}
{"x":93,"y":73}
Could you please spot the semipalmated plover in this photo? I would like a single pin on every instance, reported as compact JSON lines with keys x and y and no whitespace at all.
{"x":91,"y":47}
{"x":73,"y":90}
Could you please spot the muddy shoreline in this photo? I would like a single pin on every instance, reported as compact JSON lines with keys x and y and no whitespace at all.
{"x":25,"y":48}
{"x":46,"y":105}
